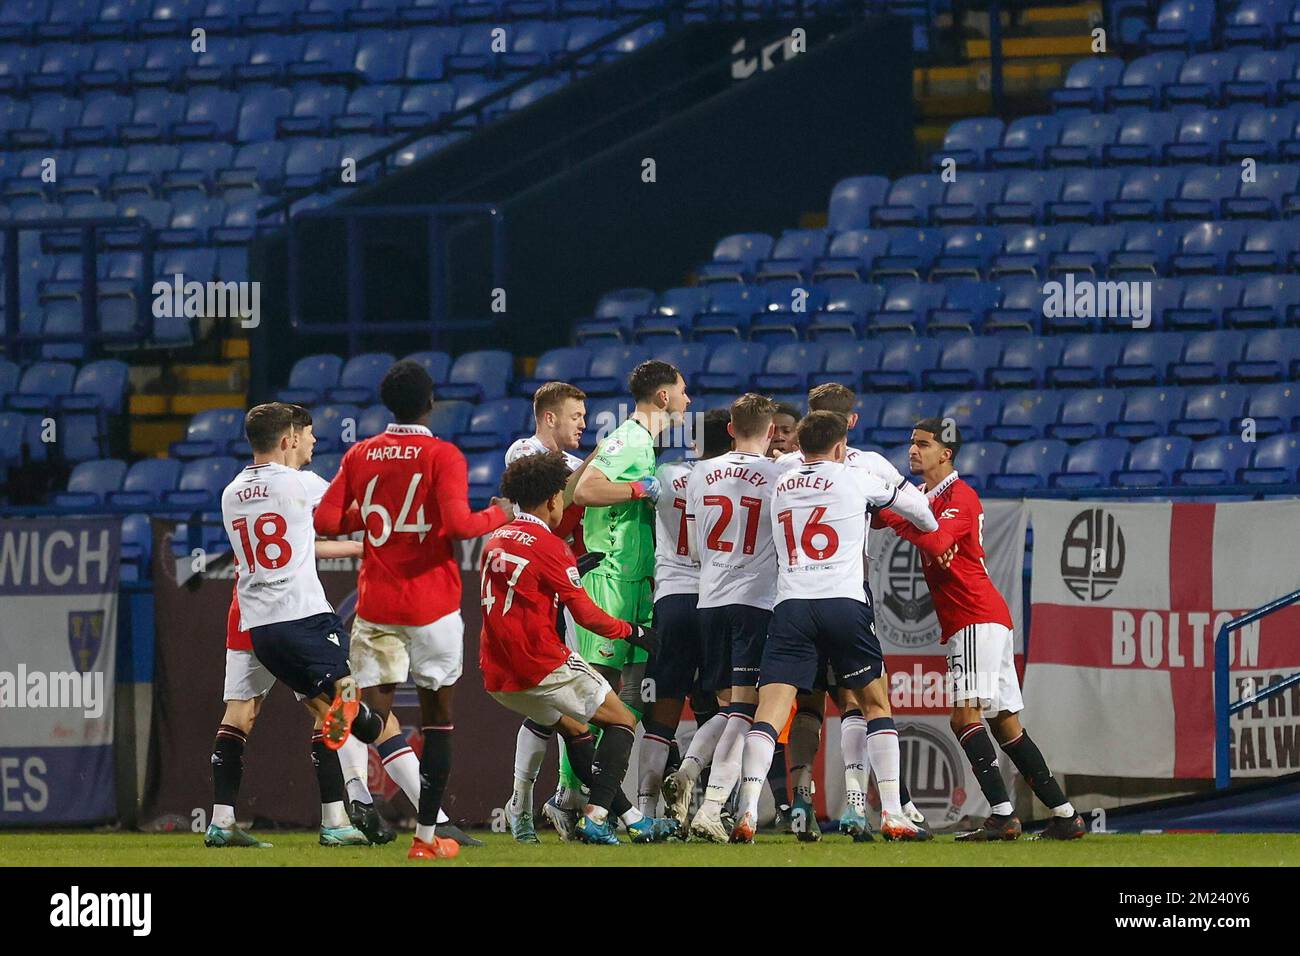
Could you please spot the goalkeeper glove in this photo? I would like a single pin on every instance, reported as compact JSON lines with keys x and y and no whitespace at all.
{"x":646,"y":488}
{"x":589,"y":561}
{"x":644,"y":638}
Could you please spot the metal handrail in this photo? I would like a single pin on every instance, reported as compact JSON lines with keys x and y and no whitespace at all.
{"x":1222,"y":709}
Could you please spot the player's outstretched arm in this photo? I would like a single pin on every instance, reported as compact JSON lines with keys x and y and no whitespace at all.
{"x":911,"y":504}
{"x":559,"y":571}
{"x":571,"y":486}
{"x":339,"y":549}
{"x":595,"y":490}
{"x":450,"y":496}
{"x":337,"y":512}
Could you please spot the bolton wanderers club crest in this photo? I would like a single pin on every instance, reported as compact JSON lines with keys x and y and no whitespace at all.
{"x":935,"y":772}
{"x":904,"y":609}
{"x":1092,"y":555}
{"x":85,"y":636}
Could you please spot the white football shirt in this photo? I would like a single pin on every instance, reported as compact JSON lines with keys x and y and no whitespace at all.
{"x":870,"y":462}
{"x":532,"y":445}
{"x":675,"y":571}
{"x":267,"y":511}
{"x":728,"y":500}
{"x":819,"y":521}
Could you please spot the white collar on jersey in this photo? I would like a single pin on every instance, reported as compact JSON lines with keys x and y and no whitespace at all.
{"x":525,"y":516}
{"x":396,"y":429}
{"x":942,"y":486}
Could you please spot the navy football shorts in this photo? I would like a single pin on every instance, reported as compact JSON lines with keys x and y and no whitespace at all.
{"x":734,"y":637}
{"x":840,"y":630}
{"x":308,"y":654}
{"x":681,"y":650}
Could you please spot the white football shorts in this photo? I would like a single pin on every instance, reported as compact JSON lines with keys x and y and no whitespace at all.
{"x":432,"y":654}
{"x":246,"y":678}
{"x":982,"y":666}
{"x":573,"y":689}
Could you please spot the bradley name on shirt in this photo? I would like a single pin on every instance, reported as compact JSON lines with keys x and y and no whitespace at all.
{"x":738,"y":472}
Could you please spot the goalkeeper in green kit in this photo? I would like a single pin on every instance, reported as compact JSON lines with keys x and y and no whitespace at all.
{"x":618,"y":488}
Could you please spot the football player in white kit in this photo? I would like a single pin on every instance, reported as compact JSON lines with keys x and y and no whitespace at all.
{"x":297,"y":637}
{"x":729,"y":527}
{"x":819,"y":520}
{"x":805,"y":729}
{"x":247,"y":682}
{"x":672,"y":669}
{"x":560,"y":410}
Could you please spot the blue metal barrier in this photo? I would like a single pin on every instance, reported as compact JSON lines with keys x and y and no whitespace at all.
{"x":1223,"y":710}
{"x":437,"y":216}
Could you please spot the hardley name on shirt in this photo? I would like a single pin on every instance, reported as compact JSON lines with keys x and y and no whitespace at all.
{"x":739,"y":472}
{"x":389,"y":452}
{"x":792,"y":482}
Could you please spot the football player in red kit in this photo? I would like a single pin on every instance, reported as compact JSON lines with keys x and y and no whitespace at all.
{"x":527,"y":570}
{"x":973,"y":616}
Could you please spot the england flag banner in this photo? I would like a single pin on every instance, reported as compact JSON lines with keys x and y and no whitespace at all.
{"x":1127,"y":602}
{"x":58,"y":650}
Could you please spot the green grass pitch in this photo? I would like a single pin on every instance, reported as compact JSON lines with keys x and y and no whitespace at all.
{"x":300,"y":849}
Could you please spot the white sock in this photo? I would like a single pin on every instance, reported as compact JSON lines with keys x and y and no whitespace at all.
{"x":1003,"y":809}
{"x":1064,"y":810}
{"x":910,"y":807}
{"x":726,"y":760}
{"x":630,"y":816}
{"x":650,"y":771}
{"x":700,"y":753}
{"x":882,"y":750}
{"x":569,"y":799}
{"x":424,"y":833}
{"x":853,"y":744}
{"x":756,"y":760}
{"x":530,"y":751}
{"x":805,"y":734}
{"x":354,"y":758}
{"x":223,"y":816}
{"x":597,"y":814}
{"x":334,"y":814}
{"x":403,"y":768}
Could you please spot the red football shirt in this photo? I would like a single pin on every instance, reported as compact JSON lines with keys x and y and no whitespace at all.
{"x":236,"y":640}
{"x":963,"y":593}
{"x":413,"y":493}
{"x":527,"y":570}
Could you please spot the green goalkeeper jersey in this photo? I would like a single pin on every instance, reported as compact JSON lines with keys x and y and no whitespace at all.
{"x":625,"y":531}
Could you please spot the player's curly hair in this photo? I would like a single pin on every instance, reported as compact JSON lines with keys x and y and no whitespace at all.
{"x":407,"y":391}
{"x":530,"y":480}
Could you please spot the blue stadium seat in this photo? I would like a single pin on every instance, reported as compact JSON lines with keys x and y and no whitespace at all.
{"x":1274,"y":408}
{"x":1086,"y":413}
{"x":1141,"y":139}
{"x":974,"y":413}
{"x":449,"y":418}
{"x":852,"y":201}
{"x":1084,"y":360}
{"x":496,"y":424}
{"x":374,"y":419}
{"x":479,"y":376}
{"x":1025,"y":415}
{"x":968,"y":141}
{"x":1269,"y":355}
{"x":210,"y":433}
{"x":736,"y":257}
{"x":437,"y":364}
{"x":326,"y":465}
{"x":1086,"y":83}
{"x":359,"y":379}
{"x":603,"y":416}
{"x":902,"y":361}
{"x":1153,"y":462}
{"x":1206,"y":357}
{"x":897,"y":416}
{"x":852,"y":254}
{"x":689,"y":358}
{"x":1265,"y":247}
{"x":556,"y":365}
{"x":137,"y":547}
{"x":335,"y":426}
{"x":1202,"y":78}
{"x":1025,"y":361}
{"x":1275,"y":461}
{"x":967,"y":198}
{"x":731,"y":366}
{"x":907,"y":308}
{"x":1030,"y":465}
{"x":1253,"y":23}
{"x":1084,"y":138}
{"x":909,"y":200}
{"x":1148,"y":412}
{"x":979,"y":460}
{"x":792,"y":366}
{"x":202,"y":482}
{"x":100,"y":386}
{"x":793,"y":255}
{"x":1026,"y":142}
{"x":146,"y":482}
{"x":90,"y":483}
{"x":1145,"y":359}
{"x":609,"y":369}
{"x":965,"y":362}
{"x":1216,"y":461}
{"x":847,"y":361}
{"x":1084,"y":195}
{"x":484,"y":471}
{"x":1092,"y":464}
{"x":41,"y":386}
{"x":1204,"y":302}
{"x":731,"y":309}
{"x":310,"y":378}
{"x":1143,"y":80}
{"x":1211,"y":410}
{"x":1182,"y":24}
